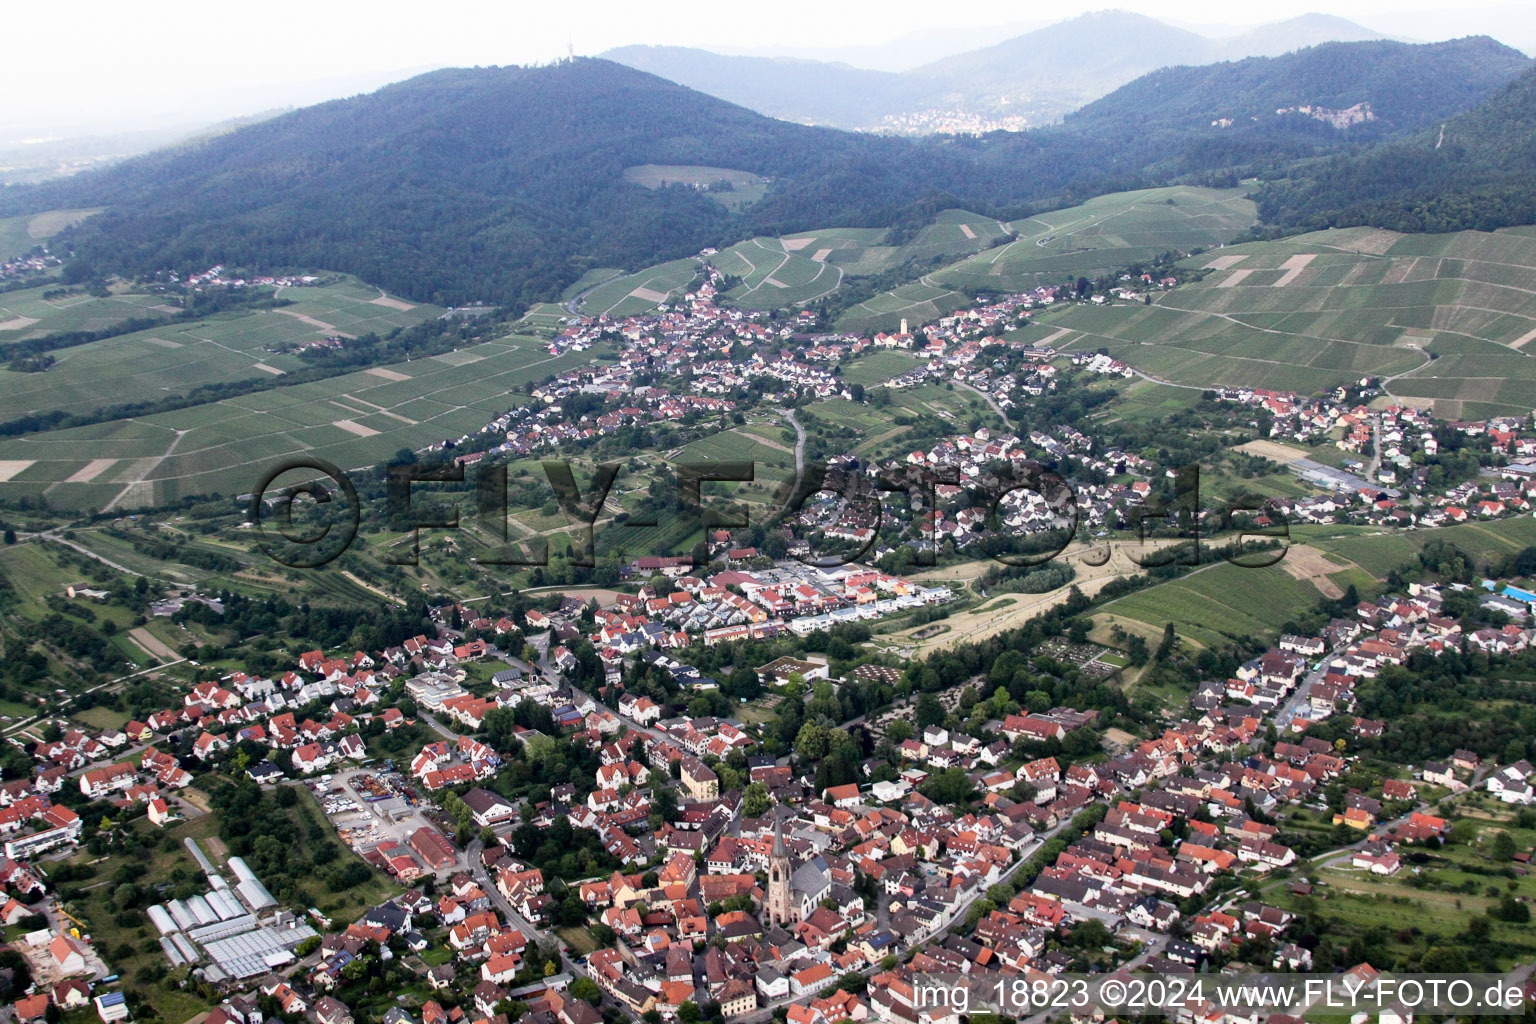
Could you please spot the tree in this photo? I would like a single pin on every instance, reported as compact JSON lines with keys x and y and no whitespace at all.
{"x":951,"y":786}
{"x":1504,"y":847}
{"x":813,"y":741}
{"x":754,"y":800}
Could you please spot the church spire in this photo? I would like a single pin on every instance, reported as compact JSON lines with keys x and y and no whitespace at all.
{"x":779,"y":849}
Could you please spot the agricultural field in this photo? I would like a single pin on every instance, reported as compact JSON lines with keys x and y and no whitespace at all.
{"x":877,"y":367}
{"x":953,"y":233}
{"x":1449,"y":320}
{"x":353,"y":420}
{"x":175,"y":358}
{"x":19,"y":235}
{"x":773,"y":461}
{"x":776,"y":272}
{"x":1434,"y":895}
{"x":732,"y":189}
{"x":1102,"y":235}
{"x":1215,"y":604}
{"x":855,"y":251}
{"x":917,"y":303}
{"x":641,"y":292}
{"x":1378,"y":552}
{"x":25,"y":314}
{"x":545,"y":318}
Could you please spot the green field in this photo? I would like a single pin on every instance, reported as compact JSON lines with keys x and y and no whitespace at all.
{"x":641,"y":292}
{"x":1098,"y":237}
{"x":352,"y":420}
{"x":175,"y":358}
{"x":546,"y":318}
{"x":956,"y":233}
{"x":1379,"y":552}
{"x":1450,"y":318}
{"x":732,"y":189}
{"x":1102,"y":235}
{"x":1424,"y":905}
{"x":879,"y":366}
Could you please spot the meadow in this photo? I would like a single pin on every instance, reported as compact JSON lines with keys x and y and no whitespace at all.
{"x":744,"y":188}
{"x":175,"y":358}
{"x":353,"y":420}
{"x":20,"y":235}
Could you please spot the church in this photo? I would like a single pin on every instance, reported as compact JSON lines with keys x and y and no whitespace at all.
{"x":793,"y":892}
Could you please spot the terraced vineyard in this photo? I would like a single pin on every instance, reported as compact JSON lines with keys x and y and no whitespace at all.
{"x":1098,"y":237}
{"x":353,"y":420}
{"x":175,"y":358}
{"x":1103,"y":235}
{"x":777,"y":272}
{"x":1449,"y":320}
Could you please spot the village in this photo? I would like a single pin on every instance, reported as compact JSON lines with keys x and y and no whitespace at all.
{"x":741,"y":884}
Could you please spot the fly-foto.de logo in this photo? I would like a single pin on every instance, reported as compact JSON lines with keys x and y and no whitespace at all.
{"x":1020,"y":515}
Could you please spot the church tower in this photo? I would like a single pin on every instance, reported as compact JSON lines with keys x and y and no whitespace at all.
{"x":781,"y":909}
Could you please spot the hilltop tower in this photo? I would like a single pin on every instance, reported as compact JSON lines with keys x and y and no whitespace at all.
{"x":780,"y":871}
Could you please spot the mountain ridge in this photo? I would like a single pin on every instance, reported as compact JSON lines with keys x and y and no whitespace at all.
{"x":505,"y":185}
{"x":1041,"y":74}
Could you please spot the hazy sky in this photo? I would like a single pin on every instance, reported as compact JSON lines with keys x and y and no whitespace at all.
{"x":98,"y":64}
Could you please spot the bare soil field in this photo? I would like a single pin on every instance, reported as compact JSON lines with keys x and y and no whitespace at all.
{"x":1310,"y":564}
{"x":1282,"y":453}
{"x":153,"y":644}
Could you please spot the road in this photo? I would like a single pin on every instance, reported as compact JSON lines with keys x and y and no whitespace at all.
{"x":789,"y":414}
{"x":1286,"y":713}
{"x":1375,"y":466}
{"x":517,"y":920}
{"x":53,"y":535}
{"x":989,"y":400}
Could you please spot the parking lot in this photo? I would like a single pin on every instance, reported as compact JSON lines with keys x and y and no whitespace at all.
{"x":369,"y":806}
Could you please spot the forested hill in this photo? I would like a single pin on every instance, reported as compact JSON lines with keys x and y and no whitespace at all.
{"x":505,"y":184}
{"x":1218,"y":122}
{"x":500,"y":184}
{"x":1405,"y":85}
{"x":1472,"y":172}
